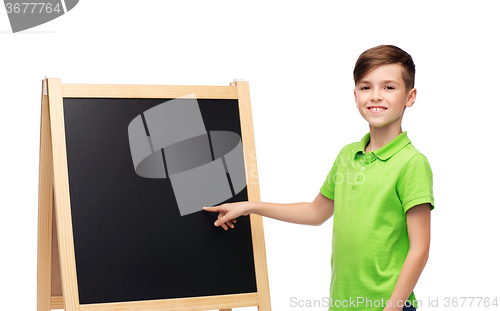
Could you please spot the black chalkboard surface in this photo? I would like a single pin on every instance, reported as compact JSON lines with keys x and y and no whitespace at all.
{"x":131,"y":242}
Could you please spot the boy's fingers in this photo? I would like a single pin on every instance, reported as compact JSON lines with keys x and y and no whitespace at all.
{"x":224,"y":224}
{"x":221,"y":221}
{"x":210,"y":208}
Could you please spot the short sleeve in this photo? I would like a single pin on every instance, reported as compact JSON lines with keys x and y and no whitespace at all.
{"x":328,"y":188}
{"x":414,"y":185}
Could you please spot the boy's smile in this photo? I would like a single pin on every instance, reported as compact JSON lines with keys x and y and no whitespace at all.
{"x":381,"y":96}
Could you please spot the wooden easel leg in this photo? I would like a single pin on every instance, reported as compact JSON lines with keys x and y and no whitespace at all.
{"x":57,"y":301}
{"x":45,"y":203}
{"x":225,"y":309}
{"x":61,"y":196}
{"x":256,"y":222}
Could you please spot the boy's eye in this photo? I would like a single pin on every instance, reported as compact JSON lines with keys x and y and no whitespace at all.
{"x":389,"y":87}
{"x":365,"y":88}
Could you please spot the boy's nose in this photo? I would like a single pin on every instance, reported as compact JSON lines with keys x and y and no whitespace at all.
{"x":376,"y":97}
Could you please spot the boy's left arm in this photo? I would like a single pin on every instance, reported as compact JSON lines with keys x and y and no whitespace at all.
{"x":418,"y":219}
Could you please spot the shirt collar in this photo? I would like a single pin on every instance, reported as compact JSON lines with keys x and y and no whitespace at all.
{"x":388,"y":150}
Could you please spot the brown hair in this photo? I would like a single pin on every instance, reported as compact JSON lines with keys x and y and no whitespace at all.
{"x":382,"y":55}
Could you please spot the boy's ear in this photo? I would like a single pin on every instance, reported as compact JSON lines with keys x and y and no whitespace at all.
{"x":412,"y":96}
{"x":355,"y":98}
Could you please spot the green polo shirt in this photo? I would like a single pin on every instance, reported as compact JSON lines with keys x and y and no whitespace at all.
{"x":372,"y":193}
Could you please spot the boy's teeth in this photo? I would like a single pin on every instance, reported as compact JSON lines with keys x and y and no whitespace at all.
{"x":376,"y":109}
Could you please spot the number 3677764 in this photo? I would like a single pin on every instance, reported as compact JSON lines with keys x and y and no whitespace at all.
{"x":32,"y":8}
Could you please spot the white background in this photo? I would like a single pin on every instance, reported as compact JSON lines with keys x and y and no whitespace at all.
{"x":298,"y":59}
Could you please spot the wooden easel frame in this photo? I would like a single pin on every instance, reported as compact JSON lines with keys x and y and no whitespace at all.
{"x":56,"y":275}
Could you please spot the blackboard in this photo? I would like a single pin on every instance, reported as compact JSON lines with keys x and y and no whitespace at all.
{"x":126,"y":176}
{"x":131,"y":243}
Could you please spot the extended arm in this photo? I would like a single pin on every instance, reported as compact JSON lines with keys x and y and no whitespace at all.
{"x":418,"y":221}
{"x":307,"y":213}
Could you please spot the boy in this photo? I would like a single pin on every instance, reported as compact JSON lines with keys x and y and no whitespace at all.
{"x":380,"y":189}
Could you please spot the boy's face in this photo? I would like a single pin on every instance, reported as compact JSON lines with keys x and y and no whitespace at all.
{"x":383,"y":87}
